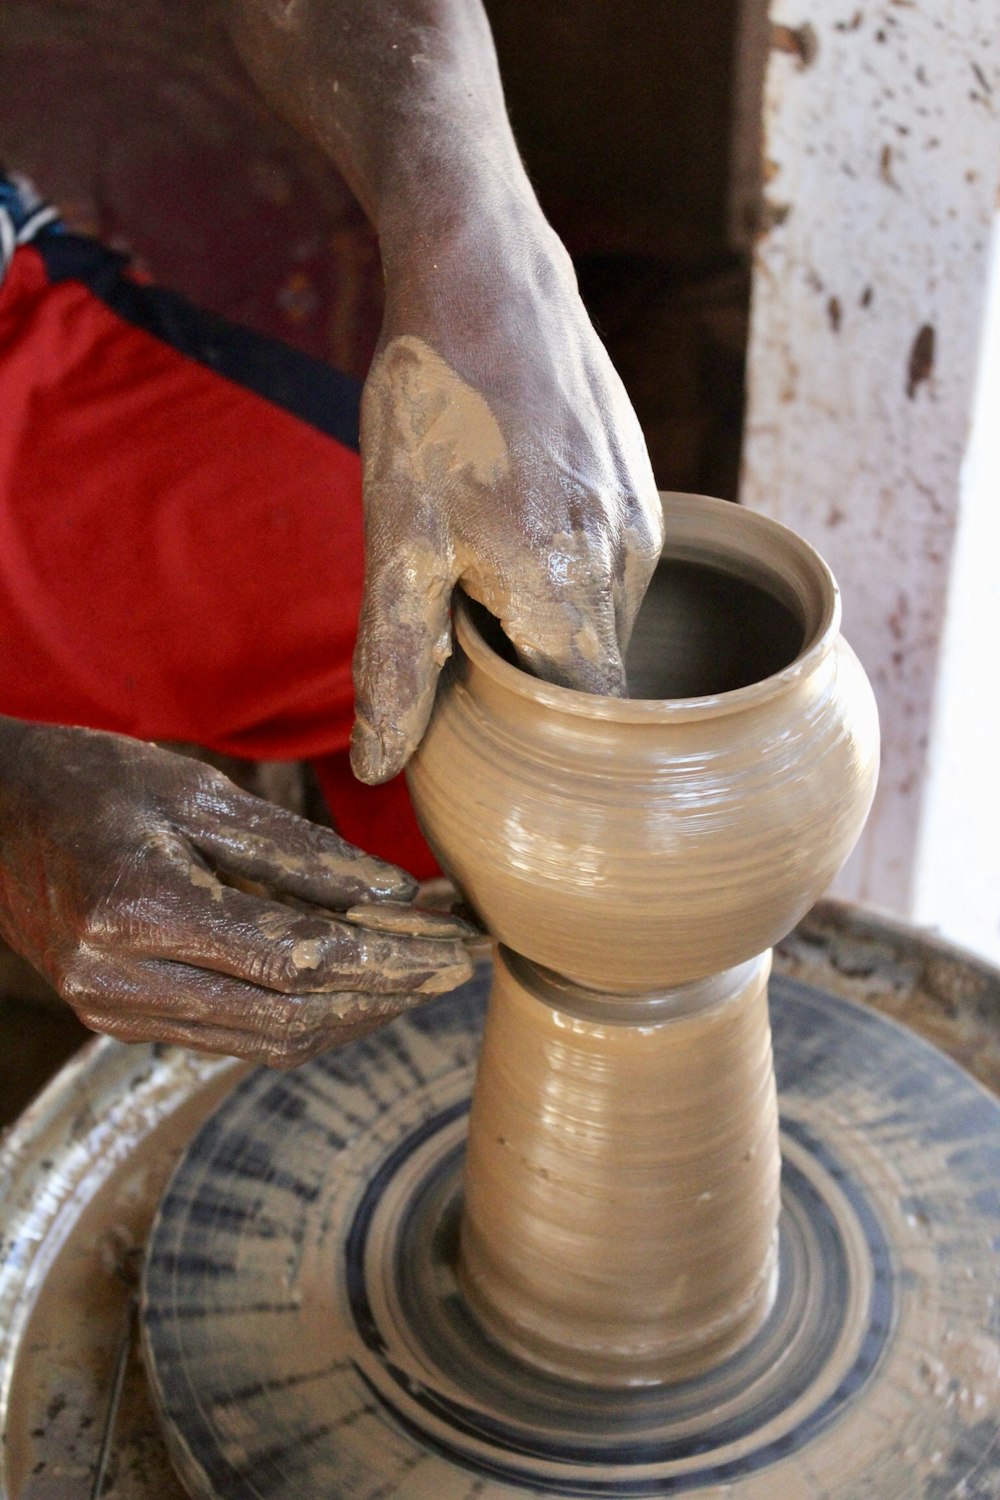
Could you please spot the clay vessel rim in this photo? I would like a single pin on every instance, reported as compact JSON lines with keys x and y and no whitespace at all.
{"x":814,"y":649}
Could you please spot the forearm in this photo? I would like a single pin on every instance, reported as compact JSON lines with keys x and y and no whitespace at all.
{"x":404,"y":96}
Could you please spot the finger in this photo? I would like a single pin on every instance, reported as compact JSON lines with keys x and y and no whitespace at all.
{"x":255,"y":840}
{"x":402,"y":917}
{"x":216,"y":1040}
{"x":271,"y":1045}
{"x":640,"y":548}
{"x":572,"y":643}
{"x":404,"y":639}
{"x":144,"y":988}
{"x":202,"y":922}
{"x":412,"y":921}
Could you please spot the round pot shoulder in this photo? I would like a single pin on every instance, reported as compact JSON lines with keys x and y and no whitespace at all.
{"x":634,"y":843}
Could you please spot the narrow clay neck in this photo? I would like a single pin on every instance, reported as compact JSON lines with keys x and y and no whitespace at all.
{"x":651,"y":1008}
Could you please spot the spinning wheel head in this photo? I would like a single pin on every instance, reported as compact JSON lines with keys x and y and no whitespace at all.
{"x":306,"y":1335}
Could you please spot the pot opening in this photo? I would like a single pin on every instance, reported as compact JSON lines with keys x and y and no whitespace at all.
{"x":701,"y":631}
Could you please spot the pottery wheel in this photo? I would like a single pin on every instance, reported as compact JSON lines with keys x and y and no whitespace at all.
{"x":305,"y":1336}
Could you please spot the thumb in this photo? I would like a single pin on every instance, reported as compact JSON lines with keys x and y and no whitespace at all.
{"x":404,"y":639}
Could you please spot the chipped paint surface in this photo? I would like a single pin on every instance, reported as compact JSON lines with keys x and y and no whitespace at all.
{"x":958,"y":863}
{"x":882,"y":139}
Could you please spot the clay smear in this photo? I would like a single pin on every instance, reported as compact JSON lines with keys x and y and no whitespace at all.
{"x":441,"y":423}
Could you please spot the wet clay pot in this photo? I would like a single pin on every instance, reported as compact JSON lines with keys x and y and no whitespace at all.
{"x":636,"y":859}
{"x":647,"y":841}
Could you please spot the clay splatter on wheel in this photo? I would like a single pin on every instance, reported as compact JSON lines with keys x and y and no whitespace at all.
{"x":305,"y":1333}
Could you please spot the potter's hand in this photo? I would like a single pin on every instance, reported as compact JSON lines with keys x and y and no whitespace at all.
{"x":500,"y":452}
{"x":145,"y":886}
{"x":500,"y":449}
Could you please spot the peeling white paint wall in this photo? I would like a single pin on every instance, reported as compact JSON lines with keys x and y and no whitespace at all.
{"x":957,"y":869}
{"x":882,"y":161}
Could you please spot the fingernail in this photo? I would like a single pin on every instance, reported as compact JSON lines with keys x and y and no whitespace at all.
{"x":446,"y":979}
{"x":396,"y":885}
{"x":368,"y":752}
{"x":386,"y":884}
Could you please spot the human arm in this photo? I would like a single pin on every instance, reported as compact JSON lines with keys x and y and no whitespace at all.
{"x":164,"y":904}
{"x":500,"y":449}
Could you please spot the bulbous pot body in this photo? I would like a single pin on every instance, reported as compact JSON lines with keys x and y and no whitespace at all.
{"x":636,"y":843}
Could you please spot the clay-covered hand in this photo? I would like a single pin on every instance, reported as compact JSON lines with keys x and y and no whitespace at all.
{"x":500,"y":449}
{"x":501,"y":453}
{"x":151,"y":891}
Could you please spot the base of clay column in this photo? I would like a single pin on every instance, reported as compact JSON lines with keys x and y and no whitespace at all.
{"x":622,"y":1178}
